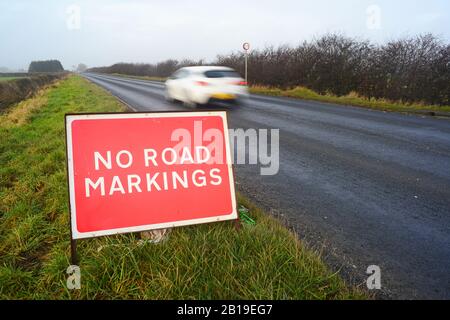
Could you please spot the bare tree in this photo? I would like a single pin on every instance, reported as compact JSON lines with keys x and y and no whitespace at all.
{"x":81,"y":67}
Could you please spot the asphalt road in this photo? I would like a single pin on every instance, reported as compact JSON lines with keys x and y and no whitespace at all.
{"x":364,"y":187}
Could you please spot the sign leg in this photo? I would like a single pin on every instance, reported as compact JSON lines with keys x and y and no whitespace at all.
{"x":237,"y":224}
{"x":73,"y":252}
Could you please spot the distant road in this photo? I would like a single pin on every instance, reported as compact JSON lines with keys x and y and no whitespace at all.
{"x":366,"y":187}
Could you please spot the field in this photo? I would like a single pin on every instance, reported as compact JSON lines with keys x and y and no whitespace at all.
{"x":7,"y":78}
{"x":262,"y":261}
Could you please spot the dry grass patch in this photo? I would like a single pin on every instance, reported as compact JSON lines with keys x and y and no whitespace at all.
{"x":20,"y":114}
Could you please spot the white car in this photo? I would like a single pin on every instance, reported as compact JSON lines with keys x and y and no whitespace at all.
{"x":200,"y":85}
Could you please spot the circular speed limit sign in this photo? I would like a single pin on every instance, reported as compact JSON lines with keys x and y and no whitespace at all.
{"x":246,"y":46}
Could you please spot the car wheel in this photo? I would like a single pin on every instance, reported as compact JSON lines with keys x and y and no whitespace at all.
{"x":189,"y":104}
{"x":168,"y":97}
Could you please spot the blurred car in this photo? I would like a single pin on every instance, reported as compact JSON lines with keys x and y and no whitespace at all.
{"x":204,"y":84}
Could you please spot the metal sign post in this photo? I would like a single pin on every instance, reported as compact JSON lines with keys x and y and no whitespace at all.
{"x":246,"y":47}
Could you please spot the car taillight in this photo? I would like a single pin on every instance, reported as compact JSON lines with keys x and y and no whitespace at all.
{"x":202,"y":83}
{"x":242,"y":83}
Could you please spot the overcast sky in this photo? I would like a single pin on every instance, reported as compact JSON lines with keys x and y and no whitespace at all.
{"x":107,"y":31}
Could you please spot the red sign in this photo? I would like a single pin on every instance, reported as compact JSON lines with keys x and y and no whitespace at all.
{"x":143,"y":171}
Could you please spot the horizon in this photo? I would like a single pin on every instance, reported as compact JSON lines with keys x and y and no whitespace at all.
{"x":100,"y":33}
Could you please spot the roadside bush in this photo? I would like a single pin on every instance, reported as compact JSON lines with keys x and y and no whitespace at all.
{"x":415,"y":69}
{"x":162,"y":69}
{"x":16,"y":90}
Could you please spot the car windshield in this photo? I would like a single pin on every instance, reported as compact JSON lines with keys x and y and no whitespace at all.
{"x":222,"y":74}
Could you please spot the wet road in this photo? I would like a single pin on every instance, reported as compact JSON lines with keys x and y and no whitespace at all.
{"x":364,"y":187}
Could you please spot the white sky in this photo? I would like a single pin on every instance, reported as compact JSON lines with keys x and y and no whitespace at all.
{"x":106,"y":32}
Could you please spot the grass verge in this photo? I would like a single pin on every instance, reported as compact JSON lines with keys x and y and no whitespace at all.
{"x":8,"y":78}
{"x":352,"y":99}
{"x":265,"y":261}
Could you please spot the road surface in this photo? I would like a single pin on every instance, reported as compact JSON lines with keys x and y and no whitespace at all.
{"x":364,"y":187}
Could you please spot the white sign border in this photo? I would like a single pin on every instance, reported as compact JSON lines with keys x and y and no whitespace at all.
{"x":69,"y":118}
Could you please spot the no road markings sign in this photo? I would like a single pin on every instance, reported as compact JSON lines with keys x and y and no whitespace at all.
{"x":133,"y":172}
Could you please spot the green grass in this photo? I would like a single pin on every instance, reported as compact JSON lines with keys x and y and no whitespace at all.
{"x":8,"y":78}
{"x":352,"y":99}
{"x":265,"y":261}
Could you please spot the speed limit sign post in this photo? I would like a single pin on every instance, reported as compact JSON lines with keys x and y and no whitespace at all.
{"x":246,"y":47}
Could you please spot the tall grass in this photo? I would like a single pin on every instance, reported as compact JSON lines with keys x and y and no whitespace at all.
{"x":351,"y":99}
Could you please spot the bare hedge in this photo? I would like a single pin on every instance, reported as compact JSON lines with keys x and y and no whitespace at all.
{"x":16,"y":90}
{"x":162,"y":69}
{"x":415,"y":69}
